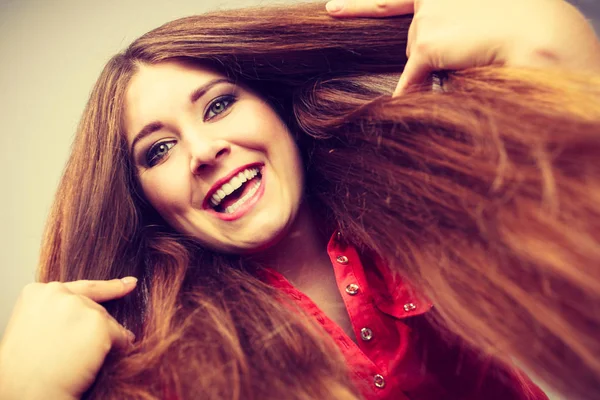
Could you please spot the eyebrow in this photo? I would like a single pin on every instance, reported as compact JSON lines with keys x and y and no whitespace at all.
{"x":154,"y":126}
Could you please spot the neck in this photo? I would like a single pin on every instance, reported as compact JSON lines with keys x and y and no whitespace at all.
{"x":301,"y":252}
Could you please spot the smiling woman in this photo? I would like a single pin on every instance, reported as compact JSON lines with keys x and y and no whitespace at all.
{"x":297,"y":233}
{"x":191,"y":162}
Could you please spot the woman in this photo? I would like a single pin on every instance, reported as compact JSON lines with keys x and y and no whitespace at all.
{"x":480,"y":194}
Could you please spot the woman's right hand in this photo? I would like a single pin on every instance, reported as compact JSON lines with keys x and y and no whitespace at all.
{"x":459,"y":34}
{"x":58,"y":337}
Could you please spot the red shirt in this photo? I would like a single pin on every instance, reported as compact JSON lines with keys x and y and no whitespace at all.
{"x":398,"y":354}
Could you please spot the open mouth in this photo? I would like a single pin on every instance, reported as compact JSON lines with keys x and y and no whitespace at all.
{"x":237,"y":191}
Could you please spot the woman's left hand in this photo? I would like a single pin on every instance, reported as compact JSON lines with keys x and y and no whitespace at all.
{"x":458,"y":34}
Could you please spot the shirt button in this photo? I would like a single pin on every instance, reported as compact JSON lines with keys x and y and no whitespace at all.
{"x":379,"y":381}
{"x":342,"y":260}
{"x":409,"y":307}
{"x":352,"y":289}
{"x":366,"y":334}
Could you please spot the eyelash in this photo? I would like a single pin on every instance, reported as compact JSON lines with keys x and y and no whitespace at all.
{"x":152,"y":159}
{"x":230,"y":98}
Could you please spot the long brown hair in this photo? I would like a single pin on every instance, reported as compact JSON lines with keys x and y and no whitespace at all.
{"x":485,"y":194}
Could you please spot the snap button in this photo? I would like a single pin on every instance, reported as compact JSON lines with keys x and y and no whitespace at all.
{"x":379,"y":381}
{"x":352,"y":289}
{"x":342,"y":260}
{"x":409,"y":307}
{"x":366,"y":334}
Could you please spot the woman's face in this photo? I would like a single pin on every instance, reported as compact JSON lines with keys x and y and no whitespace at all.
{"x":213,"y":158}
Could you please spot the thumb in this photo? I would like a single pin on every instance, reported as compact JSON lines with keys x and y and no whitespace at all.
{"x":415,"y":71}
{"x":369,"y":8}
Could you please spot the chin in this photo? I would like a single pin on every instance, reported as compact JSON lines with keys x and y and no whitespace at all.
{"x":262,"y":240}
{"x":259,"y":246}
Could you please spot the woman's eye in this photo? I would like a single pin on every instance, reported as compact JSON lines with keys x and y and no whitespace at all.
{"x":219,"y":105}
{"x":157,"y":152}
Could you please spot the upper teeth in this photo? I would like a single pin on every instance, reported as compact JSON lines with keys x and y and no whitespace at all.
{"x":234,"y":183}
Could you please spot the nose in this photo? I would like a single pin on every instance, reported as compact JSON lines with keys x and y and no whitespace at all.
{"x":206,"y":154}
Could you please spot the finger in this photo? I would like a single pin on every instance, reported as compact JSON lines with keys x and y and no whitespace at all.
{"x":417,"y":4}
{"x":120,"y":337}
{"x":369,"y":8}
{"x":100,"y":291}
{"x":412,"y":29}
{"x":415,"y":71}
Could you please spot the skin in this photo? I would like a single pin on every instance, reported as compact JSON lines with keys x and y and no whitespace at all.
{"x":458,"y":34}
{"x":279,"y":230}
{"x":77,"y":335}
{"x":445,"y":34}
{"x":206,"y":146}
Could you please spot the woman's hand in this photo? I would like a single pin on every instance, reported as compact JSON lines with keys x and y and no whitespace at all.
{"x":58,"y":337}
{"x":457,"y":34}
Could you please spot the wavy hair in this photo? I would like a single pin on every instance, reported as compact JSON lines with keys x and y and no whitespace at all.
{"x":485,"y":194}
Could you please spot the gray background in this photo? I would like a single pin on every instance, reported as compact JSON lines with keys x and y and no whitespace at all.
{"x":51,"y":54}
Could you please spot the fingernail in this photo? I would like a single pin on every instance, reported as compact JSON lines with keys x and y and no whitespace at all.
{"x":129,"y":280}
{"x":131,"y":335}
{"x":335,"y":5}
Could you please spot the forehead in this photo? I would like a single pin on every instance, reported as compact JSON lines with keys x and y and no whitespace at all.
{"x":168,"y":76}
{"x":159,"y":89}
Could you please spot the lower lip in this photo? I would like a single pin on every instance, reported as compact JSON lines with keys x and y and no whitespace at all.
{"x":247,"y":206}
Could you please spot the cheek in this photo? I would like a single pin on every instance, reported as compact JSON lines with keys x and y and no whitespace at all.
{"x":166,"y":190}
{"x":275,"y":138}
{"x":258,"y":125}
